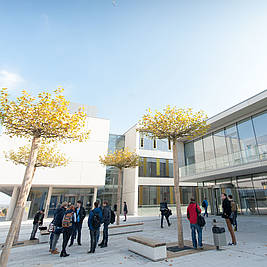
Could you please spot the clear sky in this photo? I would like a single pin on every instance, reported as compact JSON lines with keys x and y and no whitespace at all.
{"x":124,"y":56}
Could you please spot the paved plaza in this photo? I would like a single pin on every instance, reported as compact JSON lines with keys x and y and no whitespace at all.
{"x":250,"y":251}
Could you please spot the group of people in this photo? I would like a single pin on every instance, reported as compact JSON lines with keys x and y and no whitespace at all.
{"x":68,"y":221}
{"x":229,"y":213}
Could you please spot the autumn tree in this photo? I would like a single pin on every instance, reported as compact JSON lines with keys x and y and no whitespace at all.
{"x":45,"y":117}
{"x":48,"y":157}
{"x":176,"y":125}
{"x":120,"y":159}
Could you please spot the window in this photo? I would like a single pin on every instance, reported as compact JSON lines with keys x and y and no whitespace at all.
{"x":232,"y":143}
{"x":247,"y":140}
{"x":209,"y":152}
{"x":260,"y":126}
{"x":189,"y":153}
{"x":260,"y":187}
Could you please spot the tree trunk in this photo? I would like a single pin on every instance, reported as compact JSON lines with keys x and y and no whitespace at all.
{"x":177,"y":196}
{"x":23,"y":195}
{"x":16,"y":238}
{"x":119,"y":197}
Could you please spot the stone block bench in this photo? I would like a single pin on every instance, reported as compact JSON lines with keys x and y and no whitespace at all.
{"x":125,"y":228}
{"x":147,"y":248}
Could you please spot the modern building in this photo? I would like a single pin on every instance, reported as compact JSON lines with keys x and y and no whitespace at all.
{"x":231,"y":157}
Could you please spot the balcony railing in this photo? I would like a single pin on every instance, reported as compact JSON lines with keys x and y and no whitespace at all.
{"x":258,"y":153}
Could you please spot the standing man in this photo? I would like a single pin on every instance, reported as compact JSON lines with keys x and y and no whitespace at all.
{"x":205,"y":205}
{"x":125,"y":211}
{"x":58,"y":226}
{"x":37,"y":221}
{"x":164,"y":212}
{"x":192,"y":213}
{"x":234,"y":211}
{"x":227,"y":210}
{"x":78,"y":224}
{"x":94,"y":223}
{"x":106,"y":220}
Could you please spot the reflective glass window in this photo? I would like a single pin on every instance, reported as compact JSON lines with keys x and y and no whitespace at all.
{"x":260,"y":187}
{"x":247,"y":140}
{"x":260,"y":126}
{"x":198,"y":149}
{"x":232,"y":143}
{"x":189,"y":153}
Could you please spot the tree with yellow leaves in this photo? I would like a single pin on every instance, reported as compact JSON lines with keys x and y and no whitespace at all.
{"x":48,"y":157}
{"x":120,"y":159}
{"x":176,"y":125}
{"x":46,"y":117}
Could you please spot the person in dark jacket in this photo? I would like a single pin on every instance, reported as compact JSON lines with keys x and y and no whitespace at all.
{"x":192,"y":213}
{"x":125,"y":211}
{"x":67,"y":224}
{"x":78,"y":224}
{"x":227,"y":210}
{"x":164,"y":212}
{"x":106,"y":221}
{"x":94,"y":222}
{"x":59,"y":214}
{"x":37,"y":221}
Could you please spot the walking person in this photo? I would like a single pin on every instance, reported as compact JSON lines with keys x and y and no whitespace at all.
{"x":67,"y":224}
{"x":94,"y":223}
{"x":78,"y":224}
{"x":205,"y":205}
{"x":164,"y":212}
{"x":37,"y":221}
{"x":234,"y":212}
{"x":125,"y":211}
{"x":58,"y":226}
{"x":106,"y":221}
{"x":227,"y":210}
{"x":192,"y":213}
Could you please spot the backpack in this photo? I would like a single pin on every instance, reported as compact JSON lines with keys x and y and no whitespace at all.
{"x":112,"y":217}
{"x":67,"y":220}
{"x":200,"y":219}
{"x":96,"y":222}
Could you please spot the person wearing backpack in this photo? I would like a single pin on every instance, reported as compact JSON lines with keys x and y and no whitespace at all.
{"x":227,"y":211}
{"x":94,"y":223}
{"x":164,"y":213}
{"x":67,"y":224}
{"x":205,"y":205}
{"x":59,"y":214}
{"x":234,"y":212}
{"x":106,"y":221}
{"x":193,"y":211}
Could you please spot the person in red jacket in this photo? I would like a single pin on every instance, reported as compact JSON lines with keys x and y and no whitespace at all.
{"x":192,"y":213}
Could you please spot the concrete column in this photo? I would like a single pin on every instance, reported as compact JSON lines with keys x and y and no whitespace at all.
{"x":95,"y":196}
{"x":50,"y":190}
{"x":12,"y":204}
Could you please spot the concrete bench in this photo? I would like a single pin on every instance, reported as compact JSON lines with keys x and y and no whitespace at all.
{"x":147,"y":248}
{"x":125,"y":228}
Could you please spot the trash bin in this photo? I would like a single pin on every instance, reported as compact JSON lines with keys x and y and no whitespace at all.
{"x":218,"y":236}
{"x":43,"y":235}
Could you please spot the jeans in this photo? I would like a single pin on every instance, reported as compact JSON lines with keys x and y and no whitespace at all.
{"x":34,"y":230}
{"x":93,"y":236}
{"x":77,"y":228}
{"x":194,"y":228}
{"x":167,"y":219}
{"x":105,"y":234}
{"x":51,"y":239}
{"x":206,"y":212}
{"x":54,"y":243}
{"x":234,"y":219}
{"x":66,"y":236}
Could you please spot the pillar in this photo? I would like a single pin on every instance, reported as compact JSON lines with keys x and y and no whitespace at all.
{"x":48,"y":199}
{"x":95,"y":195}
{"x":12,"y":204}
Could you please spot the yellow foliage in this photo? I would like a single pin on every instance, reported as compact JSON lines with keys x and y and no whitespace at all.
{"x":174,"y":123}
{"x":46,"y":116}
{"x":121,"y":159}
{"x":48,"y":156}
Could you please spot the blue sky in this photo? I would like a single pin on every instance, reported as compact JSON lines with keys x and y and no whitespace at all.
{"x":135,"y":54}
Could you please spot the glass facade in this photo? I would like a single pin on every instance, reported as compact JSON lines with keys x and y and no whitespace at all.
{"x":155,"y":167}
{"x":153,"y":195}
{"x":239,"y":143}
{"x":249,"y":192}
